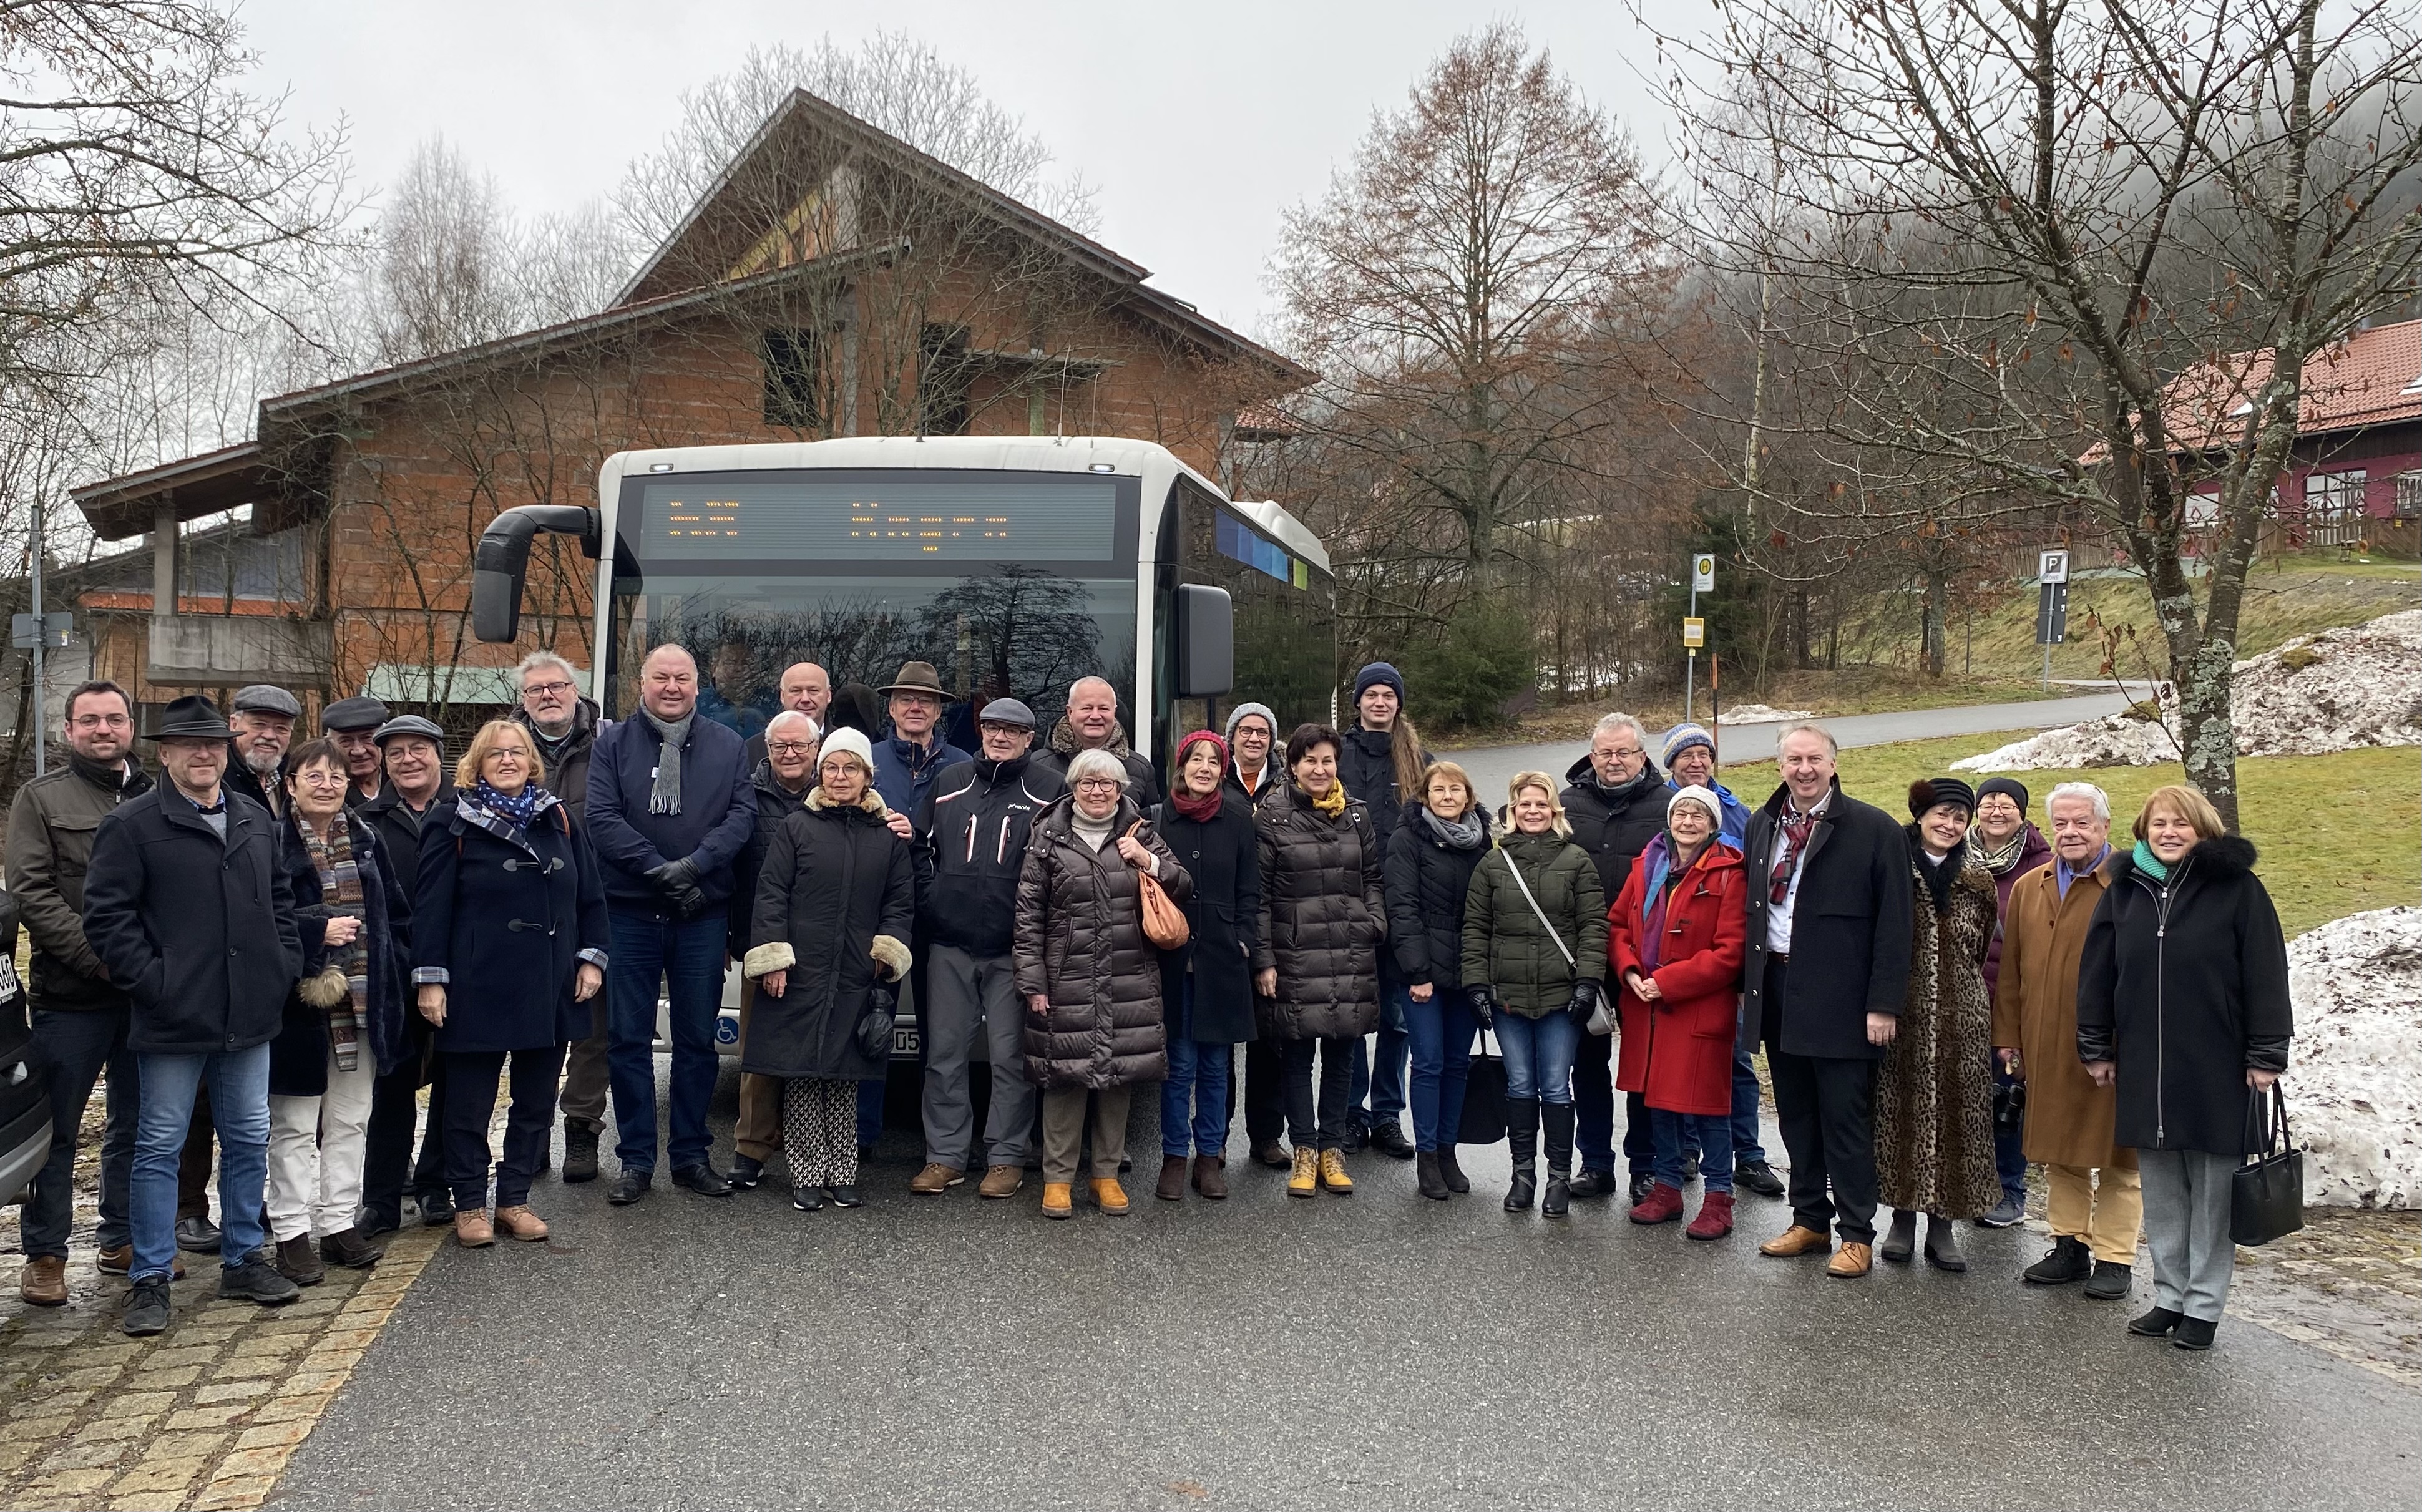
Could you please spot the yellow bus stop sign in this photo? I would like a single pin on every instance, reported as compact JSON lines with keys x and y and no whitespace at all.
{"x":1694,"y":633}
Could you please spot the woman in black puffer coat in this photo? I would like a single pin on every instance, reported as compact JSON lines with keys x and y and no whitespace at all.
{"x":1441,"y":838}
{"x":835,"y":899}
{"x":1316,"y":963}
{"x":1089,"y":979}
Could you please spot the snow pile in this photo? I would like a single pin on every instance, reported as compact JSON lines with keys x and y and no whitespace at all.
{"x":2342,"y":690}
{"x":1748,"y":713}
{"x":2354,"y":1071}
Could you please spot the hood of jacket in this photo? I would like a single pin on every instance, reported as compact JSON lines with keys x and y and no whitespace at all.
{"x":1064,"y":742}
{"x":2228,"y":855}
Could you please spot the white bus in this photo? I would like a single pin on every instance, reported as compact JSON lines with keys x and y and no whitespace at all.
{"x":1016,"y":565}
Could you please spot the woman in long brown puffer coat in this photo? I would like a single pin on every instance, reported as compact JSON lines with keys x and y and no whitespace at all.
{"x":1089,"y":979}
{"x":1316,"y":963}
{"x":1934,"y":1098}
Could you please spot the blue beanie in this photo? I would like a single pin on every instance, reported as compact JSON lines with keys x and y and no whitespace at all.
{"x":1375,"y":673}
{"x":1682,"y":737}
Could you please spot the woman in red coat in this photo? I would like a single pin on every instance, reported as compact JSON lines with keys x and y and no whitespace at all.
{"x":1676,"y":943}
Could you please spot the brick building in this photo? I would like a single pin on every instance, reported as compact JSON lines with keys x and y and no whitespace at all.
{"x":835,"y":282}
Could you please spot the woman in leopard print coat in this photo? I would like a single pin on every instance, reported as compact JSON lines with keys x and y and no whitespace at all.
{"x":1934,"y":1098}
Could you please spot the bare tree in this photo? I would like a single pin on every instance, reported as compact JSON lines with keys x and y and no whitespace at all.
{"x":2069,"y":255}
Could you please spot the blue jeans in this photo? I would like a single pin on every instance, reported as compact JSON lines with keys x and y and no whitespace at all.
{"x":689,"y":958}
{"x":2009,"y":1148}
{"x":1746,"y":1145}
{"x":239,"y":1111}
{"x":1538,"y":1054}
{"x":1711,"y":1136}
{"x":77,"y":1044}
{"x":1440,"y":1034}
{"x":1194,"y":1100}
{"x":1384,"y":1092}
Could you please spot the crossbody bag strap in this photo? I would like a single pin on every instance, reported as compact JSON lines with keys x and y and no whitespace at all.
{"x":1537,"y":912}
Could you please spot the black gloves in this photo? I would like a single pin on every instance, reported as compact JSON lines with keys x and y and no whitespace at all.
{"x":1483,"y":1006}
{"x":676,"y":882}
{"x":1587,"y":994}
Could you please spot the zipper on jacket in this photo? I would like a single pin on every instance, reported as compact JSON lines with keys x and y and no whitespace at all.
{"x":2160,"y":1016}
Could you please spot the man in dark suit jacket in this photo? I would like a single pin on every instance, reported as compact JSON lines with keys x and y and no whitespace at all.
{"x":1828,"y":967}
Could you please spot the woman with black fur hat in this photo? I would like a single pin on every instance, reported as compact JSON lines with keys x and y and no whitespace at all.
{"x":1934,"y":1098}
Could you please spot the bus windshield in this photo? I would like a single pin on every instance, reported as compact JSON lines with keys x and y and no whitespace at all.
{"x":1010,"y":584}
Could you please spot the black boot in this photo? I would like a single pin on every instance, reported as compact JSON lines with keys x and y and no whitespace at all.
{"x":1522,"y":1136}
{"x":1557,"y":1119}
{"x":1426,"y":1171}
{"x":1450,"y":1172}
{"x":579,"y":1153}
{"x":1900,"y":1240}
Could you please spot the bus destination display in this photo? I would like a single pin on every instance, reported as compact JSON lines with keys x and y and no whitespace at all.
{"x":1000,"y":517}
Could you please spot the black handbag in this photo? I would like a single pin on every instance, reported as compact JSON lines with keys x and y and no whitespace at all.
{"x":2265,"y":1197}
{"x":875,"y":1025}
{"x":2009,"y":1107}
{"x":1484,"y":1098}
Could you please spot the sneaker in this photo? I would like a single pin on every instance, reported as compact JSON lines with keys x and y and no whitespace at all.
{"x":808,"y":1199}
{"x":299,"y":1261}
{"x":844,"y":1195}
{"x":1001,"y":1181}
{"x":746,"y":1171}
{"x":579,"y":1153}
{"x":2069,"y":1261}
{"x":45,"y":1280}
{"x":147,"y":1308}
{"x":1357,"y":1134}
{"x":2111,"y":1281}
{"x":1757,"y":1176}
{"x":2009,"y":1213}
{"x":1388,"y":1139}
{"x":253,"y":1282}
{"x":198,"y":1235}
{"x":934,"y":1179}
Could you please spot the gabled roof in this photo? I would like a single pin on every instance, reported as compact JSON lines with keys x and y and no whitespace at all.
{"x":2373,"y":377}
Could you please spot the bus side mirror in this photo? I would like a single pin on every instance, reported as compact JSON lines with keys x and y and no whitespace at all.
{"x":502,"y":560}
{"x":1206,"y":642}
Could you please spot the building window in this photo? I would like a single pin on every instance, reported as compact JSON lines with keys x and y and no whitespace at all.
{"x":2332,"y":496}
{"x":794,"y":386}
{"x":944,"y":373}
{"x":2409,"y":493}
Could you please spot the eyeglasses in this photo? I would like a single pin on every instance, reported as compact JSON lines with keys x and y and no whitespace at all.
{"x":546,"y":690}
{"x":101,"y":721}
{"x":789,"y":747}
{"x":1098,"y":782}
{"x":1626,"y":755}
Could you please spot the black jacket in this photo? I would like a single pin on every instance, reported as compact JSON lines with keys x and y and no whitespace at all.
{"x":1222,"y":856}
{"x":1273,"y":778}
{"x":2184,"y":987}
{"x":1366,"y":764}
{"x":836,"y":886}
{"x":298,"y":1057}
{"x":971,"y":831}
{"x":1428,"y":883}
{"x":50,"y":829}
{"x":199,"y":930}
{"x":1323,"y":918}
{"x":718,"y":812}
{"x":504,"y":922}
{"x":400,"y":829}
{"x":773,"y":805}
{"x":1144,"y":784}
{"x":271,"y":794}
{"x":1850,"y":927}
{"x":1614,"y":826}
{"x":567,"y":760}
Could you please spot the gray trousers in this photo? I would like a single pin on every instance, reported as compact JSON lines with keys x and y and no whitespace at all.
{"x":584,"y":1076}
{"x":2186,"y":1226}
{"x":965,"y":994}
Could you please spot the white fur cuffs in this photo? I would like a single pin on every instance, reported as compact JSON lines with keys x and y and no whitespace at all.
{"x":777,"y":956}
{"x":889,"y":953}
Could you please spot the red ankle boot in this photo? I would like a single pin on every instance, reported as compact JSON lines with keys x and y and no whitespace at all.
{"x":1715,"y":1218}
{"x":1662,"y":1205}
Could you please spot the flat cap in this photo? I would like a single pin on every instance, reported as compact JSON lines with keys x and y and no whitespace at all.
{"x":267,"y":698}
{"x":1007,"y":712}
{"x":364,"y":713}
{"x":410,"y":724}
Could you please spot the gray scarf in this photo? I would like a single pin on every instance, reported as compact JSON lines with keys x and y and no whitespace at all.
{"x":666,"y":798}
{"x":1467,"y":833}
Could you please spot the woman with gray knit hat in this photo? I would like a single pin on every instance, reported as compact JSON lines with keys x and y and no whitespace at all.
{"x":2010,"y":846}
{"x":1253,"y":740}
{"x":1934,"y":1096}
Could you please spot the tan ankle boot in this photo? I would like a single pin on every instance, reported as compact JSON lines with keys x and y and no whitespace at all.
{"x":1056,"y":1202}
{"x":1109,"y":1196}
{"x":472,"y":1230}
{"x":1332,"y":1173}
{"x":519,"y":1223}
{"x":1305,"y":1182}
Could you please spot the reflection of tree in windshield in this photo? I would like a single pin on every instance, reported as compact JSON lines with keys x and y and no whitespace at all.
{"x":1020,"y":633}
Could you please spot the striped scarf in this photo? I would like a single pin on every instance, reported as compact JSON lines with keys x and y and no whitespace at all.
{"x":341,"y":892}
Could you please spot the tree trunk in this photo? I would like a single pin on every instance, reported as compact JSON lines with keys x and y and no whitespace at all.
{"x":1931,"y":650}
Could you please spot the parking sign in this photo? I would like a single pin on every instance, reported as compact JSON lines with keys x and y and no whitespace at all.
{"x":2054,"y":568}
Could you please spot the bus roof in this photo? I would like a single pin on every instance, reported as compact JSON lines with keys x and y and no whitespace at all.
{"x":1154,"y":464}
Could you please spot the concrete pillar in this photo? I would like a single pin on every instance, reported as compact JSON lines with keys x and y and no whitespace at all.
{"x":164,"y":561}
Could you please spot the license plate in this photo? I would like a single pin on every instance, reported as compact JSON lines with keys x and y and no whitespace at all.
{"x":907,"y":1044}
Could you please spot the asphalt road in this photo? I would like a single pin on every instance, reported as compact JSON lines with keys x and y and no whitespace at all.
{"x":1493,"y":766}
{"x":1377,"y":1350}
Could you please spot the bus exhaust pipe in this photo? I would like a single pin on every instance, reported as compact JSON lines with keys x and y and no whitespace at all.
{"x":501,"y":561}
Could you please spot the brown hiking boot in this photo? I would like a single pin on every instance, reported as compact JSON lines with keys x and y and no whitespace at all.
{"x":44,"y":1282}
{"x":1211,"y":1176}
{"x":519,"y":1223}
{"x":935,"y":1179}
{"x":1171,"y":1187}
{"x":1055,"y":1200}
{"x":1109,"y":1196}
{"x":119,"y":1261}
{"x":472,"y":1230}
{"x":1001,"y":1181}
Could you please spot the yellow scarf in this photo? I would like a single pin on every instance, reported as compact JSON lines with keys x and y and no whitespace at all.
{"x":1332,"y":803}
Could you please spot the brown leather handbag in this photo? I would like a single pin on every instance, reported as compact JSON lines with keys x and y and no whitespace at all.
{"x":1164,"y":922}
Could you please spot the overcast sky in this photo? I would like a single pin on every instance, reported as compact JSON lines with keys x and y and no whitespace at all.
{"x":1195,"y":125}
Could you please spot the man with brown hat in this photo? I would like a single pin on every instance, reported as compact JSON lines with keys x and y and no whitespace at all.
{"x":906,"y":763}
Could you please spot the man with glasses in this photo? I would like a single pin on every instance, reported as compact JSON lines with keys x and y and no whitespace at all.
{"x":263,"y":721}
{"x":906,"y":766}
{"x":79,"y":1014}
{"x":1616,"y":805}
{"x":806,"y":688}
{"x":563,"y":726}
{"x":416,"y":782}
{"x":353,"y":724}
{"x":780,"y":779}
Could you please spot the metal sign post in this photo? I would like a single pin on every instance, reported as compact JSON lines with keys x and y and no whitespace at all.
{"x":1694,"y":630}
{"x":2051,"y":606}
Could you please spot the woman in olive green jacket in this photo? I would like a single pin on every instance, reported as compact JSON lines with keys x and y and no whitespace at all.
{"x":1535,"y":962}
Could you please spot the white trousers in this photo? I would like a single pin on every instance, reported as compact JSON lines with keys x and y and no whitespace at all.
{"x":316,"y":1145}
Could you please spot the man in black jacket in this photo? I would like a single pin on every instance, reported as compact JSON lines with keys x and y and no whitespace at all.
{"x":563,"y":726}
{"x":971,"y":835}
{"x":781,"y":778}
{"x":1366,"y":764}
{"x":79,"y":1016}
{"x":189,"y":907}
{"x":354,"y":725}
{"x":413,"y":750}
{"x":1092,"y":723}
{"x":1829,"y":914}
{"x":1615,"y":803}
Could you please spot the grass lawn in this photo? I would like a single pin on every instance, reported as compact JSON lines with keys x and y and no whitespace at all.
{"x":2338,"y":834}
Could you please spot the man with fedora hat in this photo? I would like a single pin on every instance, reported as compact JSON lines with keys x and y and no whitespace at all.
{"x":188,"y":903}
{"x":906,"y":763}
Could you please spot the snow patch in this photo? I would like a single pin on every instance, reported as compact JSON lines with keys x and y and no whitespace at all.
{"x":2354,"y":1070}
{"x":2354,"y":687}
{"x":1750,"y":714}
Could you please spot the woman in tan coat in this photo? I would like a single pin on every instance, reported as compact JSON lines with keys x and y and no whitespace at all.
{"x":2094,"y":1223}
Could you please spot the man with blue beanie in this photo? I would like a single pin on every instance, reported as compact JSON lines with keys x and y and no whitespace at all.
{"x":1380,"y":764}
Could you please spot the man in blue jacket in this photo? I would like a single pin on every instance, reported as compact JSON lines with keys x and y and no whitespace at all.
{"x":669,"y":809}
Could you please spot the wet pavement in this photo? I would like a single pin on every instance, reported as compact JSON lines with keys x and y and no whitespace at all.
{"x":1371,"y":1350}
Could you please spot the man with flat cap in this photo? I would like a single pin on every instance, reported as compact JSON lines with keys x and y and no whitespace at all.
{"x":413,"y":750}
{"x":263,"y":717}
{"x":971,"y":836}
{"x":189,"y":905}
{"x":353,"y":724}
